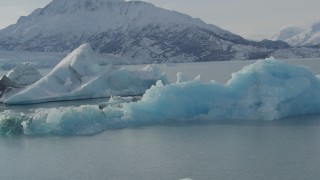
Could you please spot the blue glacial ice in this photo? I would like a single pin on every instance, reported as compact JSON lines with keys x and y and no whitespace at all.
{"x":266,"y":90}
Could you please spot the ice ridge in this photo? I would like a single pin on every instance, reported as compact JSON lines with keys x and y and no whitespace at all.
{"x":80,"y":76}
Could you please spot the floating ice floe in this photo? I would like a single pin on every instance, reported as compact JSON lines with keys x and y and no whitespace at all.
{"x":266,"y":90}
{"x":79,"y":76}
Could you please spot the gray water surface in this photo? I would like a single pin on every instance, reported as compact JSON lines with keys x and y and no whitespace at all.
{"x":266,"y":150}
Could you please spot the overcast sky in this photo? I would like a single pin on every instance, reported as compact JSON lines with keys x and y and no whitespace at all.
{"x":254,"y":19}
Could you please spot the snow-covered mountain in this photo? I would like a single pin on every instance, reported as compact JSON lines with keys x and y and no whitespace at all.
{"x":300,"y":36}
{"x":131,"y":29}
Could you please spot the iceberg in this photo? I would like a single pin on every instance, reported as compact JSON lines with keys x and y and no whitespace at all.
{"x":266,"y":90}
{"x":80,"y":76}
{"x":16,"y":79}
{"x":11,"y":124}
{"x":24,"y":75}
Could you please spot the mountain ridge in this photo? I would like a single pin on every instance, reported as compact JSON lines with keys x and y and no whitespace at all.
{"x":132,"y":29}
{"x":300,"y":35}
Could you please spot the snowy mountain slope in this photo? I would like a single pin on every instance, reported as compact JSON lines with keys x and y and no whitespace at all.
{"x":288,"y":32}
{"x":300,"y":36}
{"x":131,"y":29}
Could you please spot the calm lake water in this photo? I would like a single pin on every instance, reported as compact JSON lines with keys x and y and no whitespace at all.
{"x":287,"y":149}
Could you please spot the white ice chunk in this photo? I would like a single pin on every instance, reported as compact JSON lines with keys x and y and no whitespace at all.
{"x":25,"y":74}
{"x":79,"y":76}
{"x":181,"y":77}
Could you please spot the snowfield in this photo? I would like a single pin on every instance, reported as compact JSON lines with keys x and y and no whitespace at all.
{"x":266,"y":90}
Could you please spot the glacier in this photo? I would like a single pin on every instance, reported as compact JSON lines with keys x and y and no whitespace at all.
{"x":266,"y":90}
{"x":81,"y":76}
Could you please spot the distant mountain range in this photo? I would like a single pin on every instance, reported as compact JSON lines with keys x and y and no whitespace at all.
{"x":304,"y":41}
{"x":300,"y":36}
{"x":131,"y":29}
